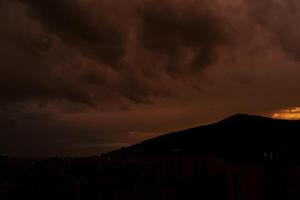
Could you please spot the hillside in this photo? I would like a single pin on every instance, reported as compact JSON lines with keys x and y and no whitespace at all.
{"x":240,"y":136}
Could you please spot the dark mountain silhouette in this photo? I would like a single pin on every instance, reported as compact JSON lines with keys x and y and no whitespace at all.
{"x":237,"y":137}
{"x":241,"y":157}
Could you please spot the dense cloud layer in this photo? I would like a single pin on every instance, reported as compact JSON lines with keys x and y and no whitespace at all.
{"x":187,"y":35}
{"x":78,"y":50}
{"x":80,"y":24}
{"x":203,"y":58}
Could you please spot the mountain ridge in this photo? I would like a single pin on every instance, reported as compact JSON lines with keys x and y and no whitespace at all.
{"x":239,"y":132}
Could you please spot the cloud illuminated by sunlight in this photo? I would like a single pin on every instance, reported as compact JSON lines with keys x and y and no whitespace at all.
{"x":289,"y":114}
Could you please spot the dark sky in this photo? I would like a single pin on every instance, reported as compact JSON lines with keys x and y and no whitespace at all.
{"x":80,"y":77}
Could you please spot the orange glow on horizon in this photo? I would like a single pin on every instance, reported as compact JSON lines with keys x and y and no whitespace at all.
{"x":289,"y":114}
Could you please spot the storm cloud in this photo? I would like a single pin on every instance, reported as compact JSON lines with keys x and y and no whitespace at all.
{"x":76,"y":50}
{"x":199,"y":60}
{"x":188,"y":35}
{"x":80,"y":24}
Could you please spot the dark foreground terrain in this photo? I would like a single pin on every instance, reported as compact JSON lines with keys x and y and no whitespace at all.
{"x":240,"y":158}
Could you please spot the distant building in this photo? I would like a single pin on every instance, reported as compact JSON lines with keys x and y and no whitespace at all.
{"x":4,"y":186}
{"x":3,"y":165}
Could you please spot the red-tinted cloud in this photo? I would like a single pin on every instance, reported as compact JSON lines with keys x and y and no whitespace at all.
{"x":208,"y":58}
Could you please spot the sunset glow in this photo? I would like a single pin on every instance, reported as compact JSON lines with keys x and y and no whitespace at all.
{"x":290,"y":114}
